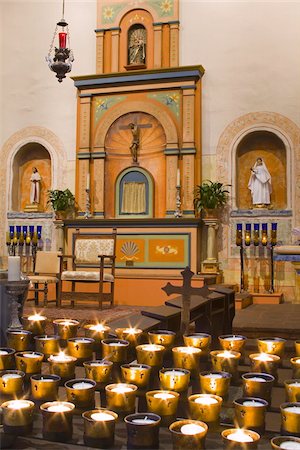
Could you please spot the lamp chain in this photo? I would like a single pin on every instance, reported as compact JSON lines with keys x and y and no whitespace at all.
{"x":63,"y":10}
{"x":52,"y":42}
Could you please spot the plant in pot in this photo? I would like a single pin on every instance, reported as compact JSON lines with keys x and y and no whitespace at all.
{"x":62,"y":203}
{"x":210,"y":197}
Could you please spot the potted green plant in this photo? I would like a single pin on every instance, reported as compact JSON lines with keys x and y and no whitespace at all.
{"x":210,"y":196}
{"x":62,"y":202}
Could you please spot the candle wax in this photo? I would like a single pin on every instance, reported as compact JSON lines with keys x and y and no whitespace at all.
{"x":58,"y":408}
{"x":252,"y":403}
{"x":82,"y":341}
{"x":18,"y":404}
{"x":119,"y":344}
{"x":30,"y":355}
{"x":3,"y":352}
{"x":226,"y":354}
{"x":143,"y":421}
{"x":61,"y":358}
{"x":264,"y":357}
{"x":82,"y":385}
{"x":98,"y":327}
{"x":177,"y":373}
{"x":259,"y":379}
{"x":101,"y":417}
{"x":213,"y":375}
{"x":121,"y":389}
{"x":239,"y":436}
{"x":8,"y":376}
{"x":37,"y":317}
{"x":297,"y":361}
{"x":131,"y":330}
{"x":191,"y":429}
{"x":295,"y":384}
{"x":206,"y":400}
{"x":163,"y":395}
{"x":151,"y":347}
{"x":293,"y":409}
{"x":290,"y":445}
{"x":189,"y":350}
{"x":233,"y":338}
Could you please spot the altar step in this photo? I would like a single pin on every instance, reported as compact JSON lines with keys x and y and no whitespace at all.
{"x":243,"y":300}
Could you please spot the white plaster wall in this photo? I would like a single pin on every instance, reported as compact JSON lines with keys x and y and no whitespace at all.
{"x":32,"y":95}
{"x":249,"y":50}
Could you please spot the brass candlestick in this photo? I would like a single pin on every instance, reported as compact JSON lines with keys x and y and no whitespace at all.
{"x":186,"y":358}
{"x":250,"y":413}
{"x":35,"y":323}
{"x":99,"y":428}
{"x":142,"y":431}
{"x":232,"y":342}
{"x":174,"y":379}
{"x":237,"y":439}
{"x":120,"y":397}
{"x":11,"y":382}
{"x":264,"y":363}
{"x":18,"y":417}
{"x":98,"y":332}
{"x":44,"y":387}
{"x":198,"y":340}
{"x":81,"y":392}
{"x":98,"y":370}
{"x":296,"y":366}
{"x":163,"y":403}
{"x":258,"y":385}
{"x":216,"y":383}
{"x":138,"y":374}
{"x":188,"y":434}
{"x":150,"y":354}
{"x":48,"y":345}
{"x":206,"y":407}
{"x":272,"y":345}
{"x":62,"y":365}
{"x":29,"y":362}
{"x":65,"y":328}
{"x":19,"y":340}
{"x":132,"y":335}
{"x":297,"y":348}
{"x":81,"y":348}
{"x":281,"y":442}
{"x":162,"y":337}
{"x":225,"y":361}
{"x":115,"y":350}
{"x":57,"y":421}
{"x":290,"y":418}
{"x":7,"y":360}
{"x":292,"y":390}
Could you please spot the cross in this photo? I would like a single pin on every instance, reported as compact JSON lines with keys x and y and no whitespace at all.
{"x":135,"y":130}
{"x":186,"y":290}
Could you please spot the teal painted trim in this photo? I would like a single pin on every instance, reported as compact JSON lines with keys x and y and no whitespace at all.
{"x":98,"y":155}
{"x":191,"y":86}
{"x":83,"y":155}
{"x":189,"y":212}
{"x":84,"y":95}
{"x":98,"y":213}
{"x":117,"y":202}
{"x":97,"y":30}
{"x":188,"y":151}
{"x":81,"y":213}
{"x":172,"y":151}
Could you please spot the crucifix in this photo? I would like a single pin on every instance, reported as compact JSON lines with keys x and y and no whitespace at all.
{"x":135,"y":143}
{"x":186,"y":290}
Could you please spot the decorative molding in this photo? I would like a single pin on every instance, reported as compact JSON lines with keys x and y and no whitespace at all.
{"x":23,"y":215}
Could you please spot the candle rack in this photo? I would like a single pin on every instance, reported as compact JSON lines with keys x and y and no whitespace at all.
{"x":24,"y":243}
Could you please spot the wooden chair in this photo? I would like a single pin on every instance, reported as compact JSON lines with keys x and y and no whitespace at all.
{"x":46,"y":271}
{"x":90,"y":252}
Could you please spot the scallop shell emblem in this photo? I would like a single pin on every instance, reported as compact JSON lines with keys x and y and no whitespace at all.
{"x":129,"y":250}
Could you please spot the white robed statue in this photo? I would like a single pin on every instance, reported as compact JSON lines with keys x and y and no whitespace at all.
{"x":260,"y":184}
{"x":35,"y":180}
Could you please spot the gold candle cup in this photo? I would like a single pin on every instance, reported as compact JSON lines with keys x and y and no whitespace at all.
{"x":48,"y":345}
{"x":81,"y":348}
{"x":35,"y":323}
{"x":232,"y":342}
{"x":297,"y":348}
{"x":176,"y":379}
{"x":115,"y":350}
{"x":206,"y":407}
{"x":296,"y":366}
{"x":98,"y":332}
{"x":188,"y":434}
{"x":186,"y":358}
{"x":258,"y":385}
{"x":198,"y":340}
{"x":19,"y":340}
{"x":150,"y":354}
{"x":138,"y":374}
{"x":142,"y":430}
{"x":11,"y":382}
{"x":250,"y":413}
{"x":57,"y":421}
{"x":29,"y":362}
{"x":290,"y":418}
{"x":291,"y":442}
{"x":272,"y":345}
{"x":216,"y":383}
{"x":18,"y":417}
{"x":120,"y":397}
{"x":81,"y":392}
{"x":65,"y":328}
{"x":99,"y":428}
{"x":98,"y":370}
{"x":62,"y":365}
{"x":246,"y":439}
{"x":225,"y":361}
{"x":162,"y":337}
{"x":264,"y":363}
{"x":7,"y":359}
{"x":132,"y":335}
{"x":44,"y":387}
{"x":292,"y":390}
{"x":163,"y":403}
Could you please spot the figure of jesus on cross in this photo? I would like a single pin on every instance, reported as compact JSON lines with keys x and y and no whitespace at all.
{"x":134,"y":147}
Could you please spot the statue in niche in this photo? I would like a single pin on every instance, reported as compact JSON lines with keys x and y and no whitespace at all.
{"x":260,"y":184}
{"x":35,"y":180}
{"x":137,"y":45}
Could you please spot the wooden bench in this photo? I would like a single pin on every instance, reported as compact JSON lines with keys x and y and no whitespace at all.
{"x":167,"y":315}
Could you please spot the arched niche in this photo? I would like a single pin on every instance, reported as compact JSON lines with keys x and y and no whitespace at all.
{"x":141,"y":178}
{"x":271,"y":148}
{"x":32,"y":154}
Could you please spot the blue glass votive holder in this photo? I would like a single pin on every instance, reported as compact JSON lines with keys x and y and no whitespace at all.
{"x":31,"y":229}
{"x":11,"y":231}
{"x":39,"y":231}
{"x":25,"y":228}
